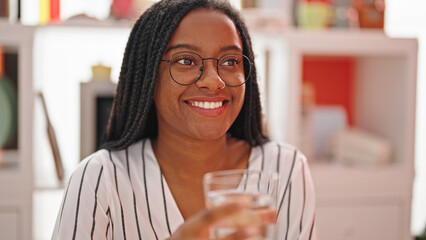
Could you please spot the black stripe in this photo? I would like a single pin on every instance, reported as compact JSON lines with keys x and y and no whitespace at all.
{"x":96,"y":202}
{"x":312,"y":228}
{"x":106,"y":233}
{"x":146,"y":190}
{"x":63,"y":202}
{"x":263,"y":158}
{"x":248,"y":161}
{"x":278,"y":159}
{"x":78,"y":200}
{"x":108,"y":213}
{"x":247,"y":169}
{"x":278,"y":165}
{"x":262,"y":166}
{"x":288,"y":212}
{"x":127,"y":162}
{"x":118,"y":193}
{"x":304,"y":197}
{"x":165,"y":204}
{"x":245,"y":182}
{"x":288,"y":180}
{"x":134,"y":197}
{"x":248,"y":164}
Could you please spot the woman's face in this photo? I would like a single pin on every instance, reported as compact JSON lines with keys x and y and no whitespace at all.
{"x":206,"y":109}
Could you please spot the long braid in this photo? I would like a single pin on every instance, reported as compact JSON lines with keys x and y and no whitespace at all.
{"x":133,"y":85}
{"x":123,"y":98}
{"x":117,"y":109}
{"x":250,"y":116}
{"x":137,"y":120}
{"x":119,"y":129}
{"x":133,"y":115}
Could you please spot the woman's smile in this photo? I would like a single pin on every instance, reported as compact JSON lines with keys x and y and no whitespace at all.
{"x":206,"y":105}
{"x":212,"y":107}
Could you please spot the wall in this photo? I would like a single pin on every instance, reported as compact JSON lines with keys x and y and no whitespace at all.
{"x":407,"y":19}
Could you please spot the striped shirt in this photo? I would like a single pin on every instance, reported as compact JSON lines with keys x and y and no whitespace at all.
{"x":123,"y":195}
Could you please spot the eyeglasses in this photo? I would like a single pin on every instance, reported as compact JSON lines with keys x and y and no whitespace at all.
{"x":187,"y":67}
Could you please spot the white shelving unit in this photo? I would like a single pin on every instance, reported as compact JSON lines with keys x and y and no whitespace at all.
{"x":353,"y":202}
{"x":89,"y":94}
{"x":30,"y":192}
{"x":16,"y":177}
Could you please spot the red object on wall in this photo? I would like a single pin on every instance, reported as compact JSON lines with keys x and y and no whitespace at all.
{"x":333,"y":80}
{"x":121,"y":8}
{"x":371,"y":13}
{"x":55,"y":11}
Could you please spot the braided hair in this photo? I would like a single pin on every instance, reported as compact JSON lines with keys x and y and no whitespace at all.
{"x":133,"y":115}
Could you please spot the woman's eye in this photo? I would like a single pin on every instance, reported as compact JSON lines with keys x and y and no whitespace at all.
{"x":230,"y":62}
{"x":185,"y":60}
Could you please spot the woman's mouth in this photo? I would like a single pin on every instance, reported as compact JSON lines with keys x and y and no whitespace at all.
{"x":211,"y":108}
{"x":206,"y":105}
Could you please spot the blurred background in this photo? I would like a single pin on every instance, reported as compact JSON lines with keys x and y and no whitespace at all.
{"x":343,"y":80}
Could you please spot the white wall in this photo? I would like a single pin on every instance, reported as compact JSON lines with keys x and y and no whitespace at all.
{"x":407,"y":18}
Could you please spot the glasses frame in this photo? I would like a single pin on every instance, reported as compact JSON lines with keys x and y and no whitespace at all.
{"x":202,"y":67}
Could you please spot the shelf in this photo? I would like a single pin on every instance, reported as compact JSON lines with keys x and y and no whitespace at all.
{"x":384,"y":76}
{"x":337,"y":181}
{"x":376,"y":85}
{"x":9,"y":160}
{"x":16,"y":177}
{"x":371,"y":90}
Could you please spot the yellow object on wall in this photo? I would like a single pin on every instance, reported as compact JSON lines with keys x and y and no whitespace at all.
{"x":44,"y":11}
{"x":314,"y":15}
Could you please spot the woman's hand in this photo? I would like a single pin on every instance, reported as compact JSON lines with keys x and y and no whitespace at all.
{"x":198,"y":225}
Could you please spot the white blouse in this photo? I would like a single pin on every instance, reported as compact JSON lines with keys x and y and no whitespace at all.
{"x":123,"y":195}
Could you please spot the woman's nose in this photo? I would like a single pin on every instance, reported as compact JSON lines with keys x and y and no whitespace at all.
{"x":210,"y":77}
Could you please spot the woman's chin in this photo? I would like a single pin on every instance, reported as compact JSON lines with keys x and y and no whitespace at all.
{"x":210,"y":134}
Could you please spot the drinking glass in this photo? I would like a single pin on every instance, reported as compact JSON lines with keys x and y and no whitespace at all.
{"x":256,"y":189}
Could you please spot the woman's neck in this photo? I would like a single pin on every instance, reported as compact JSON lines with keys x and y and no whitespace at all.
{"x":189,"y":158}
{"x":184,"y":162}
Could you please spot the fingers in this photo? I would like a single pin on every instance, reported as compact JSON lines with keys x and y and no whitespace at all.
{"x":248,"y":233}
{"x":214,"y":215}
{"x":232,"y":215}
{"x":247,"y":218}
{"x":267,"y":216}
{"x":200,"y":222}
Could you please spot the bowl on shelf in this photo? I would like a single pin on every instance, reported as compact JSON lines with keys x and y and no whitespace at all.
{"x":8,"y":109}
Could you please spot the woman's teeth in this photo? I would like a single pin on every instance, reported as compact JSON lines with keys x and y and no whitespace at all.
{"x":207,"y":105}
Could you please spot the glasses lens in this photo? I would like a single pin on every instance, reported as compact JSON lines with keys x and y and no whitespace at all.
{"x":185,"y":67}
{"x":231,"y":69}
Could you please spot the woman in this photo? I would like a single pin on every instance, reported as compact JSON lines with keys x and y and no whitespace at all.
{"x":187,"y":103}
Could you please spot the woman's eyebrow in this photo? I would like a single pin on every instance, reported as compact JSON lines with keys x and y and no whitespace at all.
{"x":182,"y":45}
{"x":231,"y":47}
{"x":197,"y":49}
